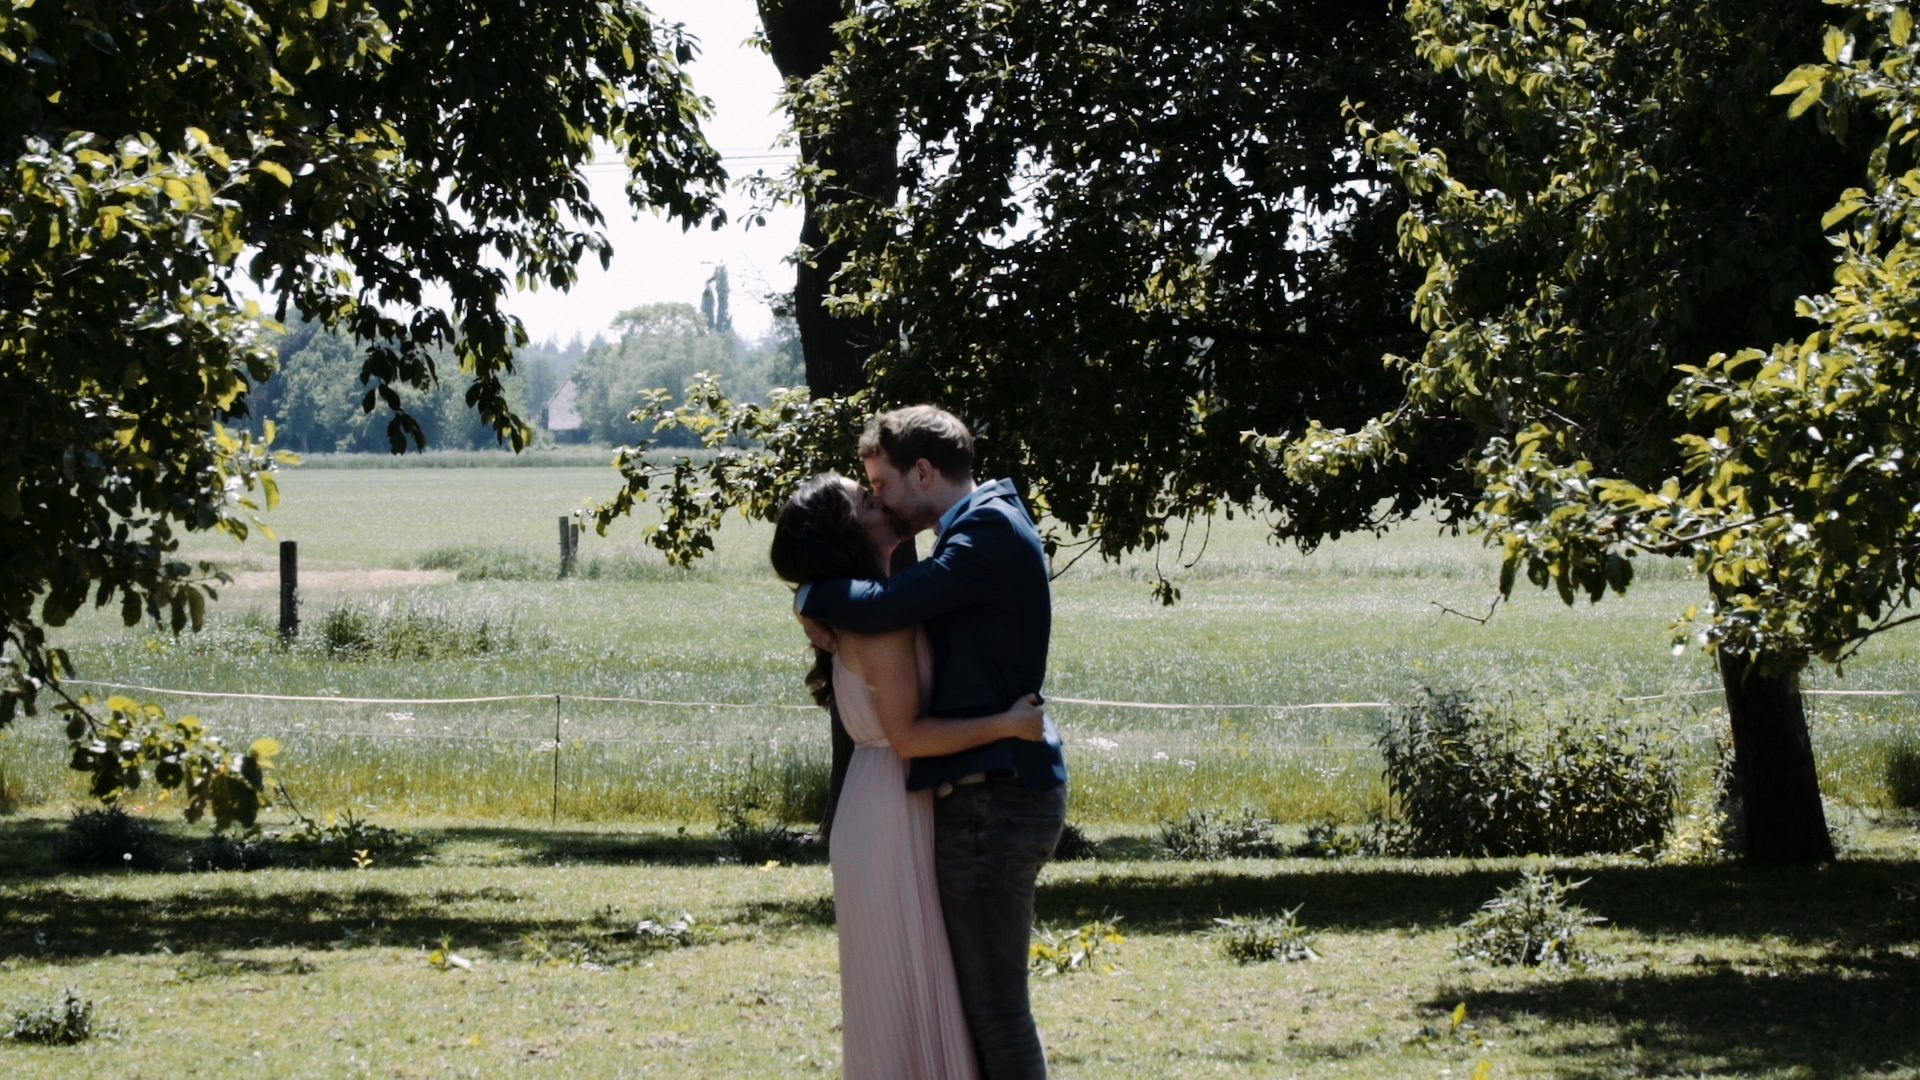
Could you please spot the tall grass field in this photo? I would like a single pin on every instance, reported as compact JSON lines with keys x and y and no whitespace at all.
{"x":442,"y":583}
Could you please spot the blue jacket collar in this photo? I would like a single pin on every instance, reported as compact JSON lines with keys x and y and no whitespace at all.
{"x":990,"y":488}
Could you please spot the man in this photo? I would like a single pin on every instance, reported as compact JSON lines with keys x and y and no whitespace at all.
{"x":984,"y":601}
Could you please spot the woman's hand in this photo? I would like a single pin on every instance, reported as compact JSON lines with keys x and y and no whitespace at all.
{"x":1028,"y":718}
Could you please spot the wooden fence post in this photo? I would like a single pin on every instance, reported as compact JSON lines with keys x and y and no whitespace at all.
{"x":289,"y":590}
{"x":566,"y":545}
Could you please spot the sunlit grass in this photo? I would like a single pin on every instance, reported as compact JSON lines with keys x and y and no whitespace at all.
{"x":1360,"y":620}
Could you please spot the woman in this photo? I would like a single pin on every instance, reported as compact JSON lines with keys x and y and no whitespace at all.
{"x":900,"y":1003}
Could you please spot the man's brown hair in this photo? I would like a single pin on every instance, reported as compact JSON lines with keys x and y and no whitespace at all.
{"x":920,"y":431}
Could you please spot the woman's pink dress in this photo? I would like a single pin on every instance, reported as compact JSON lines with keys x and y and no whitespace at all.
{"x":900,"y":1003}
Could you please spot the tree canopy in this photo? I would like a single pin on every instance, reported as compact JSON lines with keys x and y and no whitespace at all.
{"x":1617,"y":304}
{"x":1145,"y":220}
{"x":350,"y":157}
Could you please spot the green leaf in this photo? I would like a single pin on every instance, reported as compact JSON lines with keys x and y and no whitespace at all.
{"x":1807,"y":99}
{"x":1841,"y":212}
{"x":1834,"y":43}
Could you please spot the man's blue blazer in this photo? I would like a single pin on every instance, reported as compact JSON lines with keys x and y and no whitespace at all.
{"x":984,"y":599}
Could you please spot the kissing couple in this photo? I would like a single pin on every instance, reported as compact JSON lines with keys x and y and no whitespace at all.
{"x":956,"y":794}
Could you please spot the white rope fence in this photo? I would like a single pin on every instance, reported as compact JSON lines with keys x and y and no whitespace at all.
{"x":554,"y":745}
{"x":1159,"y":706}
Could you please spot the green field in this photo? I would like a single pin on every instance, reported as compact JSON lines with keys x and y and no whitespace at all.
{"x":1360,"y":620}
{"x":1717,"y":970}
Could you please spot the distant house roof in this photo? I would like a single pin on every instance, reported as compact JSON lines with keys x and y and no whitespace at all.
{"x":563,"y":413}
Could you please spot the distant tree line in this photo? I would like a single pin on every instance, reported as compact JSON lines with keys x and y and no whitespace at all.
{"x":315,"y":396}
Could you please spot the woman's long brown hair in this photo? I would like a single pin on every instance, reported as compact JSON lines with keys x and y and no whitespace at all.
{"x":818,"y":537}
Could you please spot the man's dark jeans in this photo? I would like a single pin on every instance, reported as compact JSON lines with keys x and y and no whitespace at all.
{"x":990,"y":840}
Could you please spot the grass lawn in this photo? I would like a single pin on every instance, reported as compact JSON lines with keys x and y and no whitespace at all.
{"x":1717,"y":970}
{"x":1707,"y":970}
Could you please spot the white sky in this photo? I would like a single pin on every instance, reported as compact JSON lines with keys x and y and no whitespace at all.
{"x":653,"y":261}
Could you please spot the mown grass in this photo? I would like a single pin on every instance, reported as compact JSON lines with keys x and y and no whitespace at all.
{"x":1720,"y":970}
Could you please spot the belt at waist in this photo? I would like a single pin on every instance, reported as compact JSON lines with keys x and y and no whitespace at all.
{"x":944,"y":790}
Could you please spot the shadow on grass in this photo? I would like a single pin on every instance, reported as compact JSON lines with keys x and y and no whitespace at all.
{"x":1840,"y":1018}
{"x":1848,"y":901}
{"x":53,"y":925}
{"x":1844,"y":905}
{"x":26,"y":845}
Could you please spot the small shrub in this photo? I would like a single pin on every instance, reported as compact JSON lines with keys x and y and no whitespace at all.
{"x":1901,"y":772}
{"x":344,"y":841}
{"x":1713,"y":824}
{"x":753,"y":835}
{"x":1075,"y":844}
{"x":1329,"y":840}
{"x":1250,"y":940}
{"x":12,"y":794}
{"x":67,"y":1020}
{"x":404,"y":630}
{"x":1085,"y":948}
{"x":223,"y":852}
{"x":1496,"y":776}
{"x":109,"y":838}
{"x":490,"y":564}
{"x":758,"y":809}
{"x":1208,"y":834}
{"x":1531,"y":923}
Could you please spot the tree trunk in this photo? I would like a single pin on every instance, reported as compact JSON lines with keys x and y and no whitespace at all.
{"x":800,"y":36}
{"x":1773,"y":766}
{"x":863,"y":159}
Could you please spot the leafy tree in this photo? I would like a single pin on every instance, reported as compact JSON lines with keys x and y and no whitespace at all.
{"x":150,"y":147}
{"x":1145,"y":219}
{"x":1114,"y":237}
{"x":661,"y":348}
{"x":716,"y":302}
{"x":314,"y":397}
{"x":1604,"y":304}
{"x":777,"y":360}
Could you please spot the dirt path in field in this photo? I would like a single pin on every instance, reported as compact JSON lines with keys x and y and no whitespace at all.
{"x":344,"y":580}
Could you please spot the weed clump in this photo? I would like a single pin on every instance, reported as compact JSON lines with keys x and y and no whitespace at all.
{"x":67,"y":1020}
{"x":1328,"y":840}
{"x":402,"y":630}
{"x":1712,"y":825}
{"x":1495,"y":776}
{"x":223,"y":852}
{"x":1531,"y":924}
{"x":1087,"y":947}
{"x":108,"y":839}
{"x":1901,"y":772}
{"x":1210,"y":834}
{"x":1263,"y":940}
{"x":758,"y":809}
{"x":1075,"y":844}
{"x":611,"y":941}
{"x":13,"y":794}
{"x":344,"y":841}
{"x":473,"y":563}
